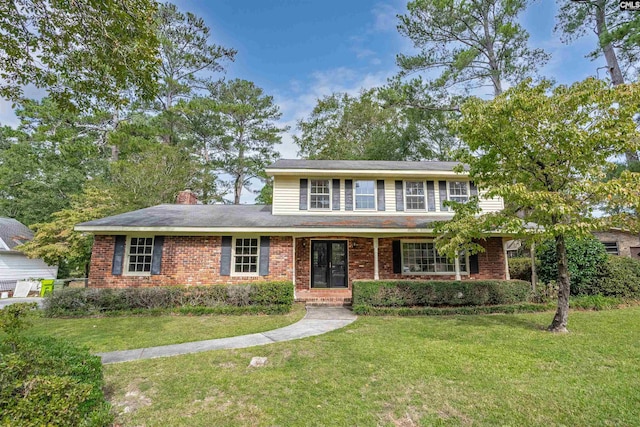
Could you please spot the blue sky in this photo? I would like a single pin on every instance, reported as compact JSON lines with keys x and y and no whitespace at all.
{"x":301,"y":50}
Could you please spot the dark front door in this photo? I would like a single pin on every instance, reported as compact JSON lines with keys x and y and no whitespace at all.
{"x":329,"y":264}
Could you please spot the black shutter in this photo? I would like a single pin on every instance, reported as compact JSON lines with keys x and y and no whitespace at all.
{"x":264,"y":255}
{"x":397,"y":257}
{"x":474,"y":268}
{"x":156,"y":260}
{"x":336,"y":195}
{"x":118,"y":255}
{"x":474,"y":189}
{"x":225,"y":256}
{"x":399,"y":196}
{"x":304,"y":188}
{"x":348,"y":195}
{"x":443,"y":195}
{"x":381,"y":195}
{"x":431,"y":196}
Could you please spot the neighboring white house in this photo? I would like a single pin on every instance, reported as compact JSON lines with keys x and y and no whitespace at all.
{"x":14,"y":265}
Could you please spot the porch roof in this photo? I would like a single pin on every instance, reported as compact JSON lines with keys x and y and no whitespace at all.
{"x":221,"y":218}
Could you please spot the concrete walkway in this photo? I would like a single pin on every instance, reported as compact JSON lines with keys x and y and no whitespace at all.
{"x":317,"y":321}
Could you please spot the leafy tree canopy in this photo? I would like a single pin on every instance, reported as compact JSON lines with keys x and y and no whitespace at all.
{"x":81,"y":52}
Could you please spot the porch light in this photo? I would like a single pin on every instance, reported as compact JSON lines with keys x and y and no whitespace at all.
{"x":354,"y":244}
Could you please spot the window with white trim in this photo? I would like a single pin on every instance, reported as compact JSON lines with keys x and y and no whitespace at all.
{"x":414,"y":195}
{"x":245,"y":256}
{"x":459,"y":191}
{"x":139,"y":255}
{"x":319,"y":194}
{"x":419,"y":257}
{"x":365,"y":195}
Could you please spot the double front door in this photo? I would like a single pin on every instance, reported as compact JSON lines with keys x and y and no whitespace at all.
{"x":329,"y":264}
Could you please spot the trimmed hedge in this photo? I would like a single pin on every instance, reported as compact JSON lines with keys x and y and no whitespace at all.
{"x":434,"y":293}
{"x":448,"y":311}
{"x":45,"y":381}
{"x":261,"y":297}
{"x":621,"y":278}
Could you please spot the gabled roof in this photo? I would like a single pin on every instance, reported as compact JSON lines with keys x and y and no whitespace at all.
{"x":13,"y":233}
{"x":247,"y":218}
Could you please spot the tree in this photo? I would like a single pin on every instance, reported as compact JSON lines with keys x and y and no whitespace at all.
{"x":46,"y":160}
{"x":57,"y":243}
{"x":546,"y":152}
{"x":471,"y":43}
{"x":375,"y":125}
{"x":618,"y":38}
{"x":81,"y":52}
{"x":248,"y":134}
{"x":188,"y":63}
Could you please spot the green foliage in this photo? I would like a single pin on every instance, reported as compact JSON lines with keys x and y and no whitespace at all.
{"x":81,"y":52}
{"x":15,"y":318}
{"x":469,"y":44}
{"x":587,"y":259}
{"x":621,"y":278}
{"x":520,"y":269}
{"x":44,"y":381}
{"x":595,"y":302}
{"x":268,"y":297}
{"x":408,"y":293}
{"x":363,"y":309}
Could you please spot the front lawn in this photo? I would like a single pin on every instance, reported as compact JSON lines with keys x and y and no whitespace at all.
{"x":101,"y":334}
{"x":458,"y":370}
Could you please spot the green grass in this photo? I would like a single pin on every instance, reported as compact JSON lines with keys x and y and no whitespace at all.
{"x":128,"y":332}
{"x":457,"y":370}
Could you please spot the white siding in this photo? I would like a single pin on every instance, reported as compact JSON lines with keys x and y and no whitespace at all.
{"x":286,"y":199}
{"x":16,"y":266}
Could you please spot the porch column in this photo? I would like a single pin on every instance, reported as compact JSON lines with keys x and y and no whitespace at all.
{"x":456,"y":263}
{"x":376,"y":270}
{"x":506,"y":260}
{"x":293,"y":267}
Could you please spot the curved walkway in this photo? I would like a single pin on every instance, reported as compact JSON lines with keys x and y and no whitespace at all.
{"x":317,"y":321}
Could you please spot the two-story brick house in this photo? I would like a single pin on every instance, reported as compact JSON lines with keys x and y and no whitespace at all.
{"x":331,"y":222}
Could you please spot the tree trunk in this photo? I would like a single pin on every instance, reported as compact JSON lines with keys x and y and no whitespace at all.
{"x":612,"y":61}
{"x":561,"y":318}
{"x":238,"y":189}
{"x":534,"y":274}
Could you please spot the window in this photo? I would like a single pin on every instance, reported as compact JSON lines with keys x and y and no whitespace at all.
{"x":245,"y":256}
{"x":458,"y":191}
{"x":611,"y":248}
{"x":414,"y":195}
{"x":423,"y":258}
{"x":320,"y":194}
{"x":139,"y":255}
{"x":365,"y":195}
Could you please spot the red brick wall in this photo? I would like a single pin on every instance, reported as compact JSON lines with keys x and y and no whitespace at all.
{"x":360,"y":259}
{"x":187,"y":260}
{"x":490,"y":262}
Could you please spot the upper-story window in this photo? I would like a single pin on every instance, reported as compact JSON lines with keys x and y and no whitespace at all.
{"x":414,"y":195}
{"x":365,"y":195}
{"x":459,"y":191}
{"x":140,"y":252}
{"x":319,"y":194}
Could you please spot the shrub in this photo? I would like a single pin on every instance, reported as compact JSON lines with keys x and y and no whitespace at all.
{"x":44,"y":381}
{"x":408,"y":293}
{"x":520,"y":269}
{"x":594,"y":302}
{"x":587,"y":263}
{"x":261,"y":297}
{"x":621,"y":278}
{"x":448,"y":311}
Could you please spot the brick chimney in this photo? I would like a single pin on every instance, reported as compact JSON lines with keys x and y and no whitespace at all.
{"x":187,"y":197}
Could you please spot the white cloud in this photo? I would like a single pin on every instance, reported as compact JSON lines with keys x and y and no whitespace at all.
{"x":385,"y":19}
